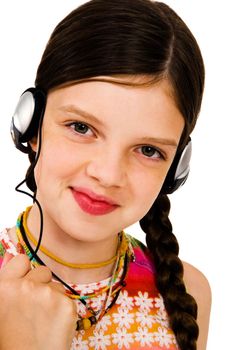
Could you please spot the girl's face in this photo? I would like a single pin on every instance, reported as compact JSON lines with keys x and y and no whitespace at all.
{"x":106,"y":150}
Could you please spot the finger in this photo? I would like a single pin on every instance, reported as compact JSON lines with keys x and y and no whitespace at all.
{"x":58,"y":286}
{"x":40,"y":274}
{"x":17,"y":267}
{"x":6,"y":259}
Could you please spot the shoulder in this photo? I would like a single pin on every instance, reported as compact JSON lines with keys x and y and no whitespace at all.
{"x":198,"y":286}
{"x":195,"y":279}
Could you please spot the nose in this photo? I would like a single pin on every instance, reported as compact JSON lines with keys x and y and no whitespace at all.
{"x":108,"y":168}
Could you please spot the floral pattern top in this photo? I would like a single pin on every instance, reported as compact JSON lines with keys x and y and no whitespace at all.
{"x":137,"y":320}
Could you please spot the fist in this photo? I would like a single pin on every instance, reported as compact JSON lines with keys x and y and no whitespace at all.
{"x":35,"y":312}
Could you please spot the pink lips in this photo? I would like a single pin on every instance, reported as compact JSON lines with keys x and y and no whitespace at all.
{"x":92,"y":203}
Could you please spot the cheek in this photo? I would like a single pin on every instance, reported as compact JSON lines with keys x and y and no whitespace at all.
{"x":149,"y":195}
{"x":146,"y":190}
{"x":52,"y":163}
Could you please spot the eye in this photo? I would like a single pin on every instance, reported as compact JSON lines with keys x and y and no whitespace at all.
{"x":81,"y":128}
{"x":151,"y":152}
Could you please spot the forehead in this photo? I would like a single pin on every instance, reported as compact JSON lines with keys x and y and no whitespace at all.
{"x":122,"y":101}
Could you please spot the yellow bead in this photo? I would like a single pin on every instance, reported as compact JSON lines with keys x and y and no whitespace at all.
{"x":86,"y":323}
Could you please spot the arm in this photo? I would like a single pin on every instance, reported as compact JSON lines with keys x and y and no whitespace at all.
{"x":198,"y":286}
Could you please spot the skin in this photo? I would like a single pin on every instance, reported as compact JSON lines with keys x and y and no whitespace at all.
{"x":198,"y":286}
{"x":29,"y":306}
{"x":110,"y":159}
{"x":107,"y":159}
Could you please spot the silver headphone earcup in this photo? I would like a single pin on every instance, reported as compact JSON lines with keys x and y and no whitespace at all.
{"x":26,"y":118}
{"x":183,"y":165}
{"x":179,"y":170}
{"x":24,"y":111}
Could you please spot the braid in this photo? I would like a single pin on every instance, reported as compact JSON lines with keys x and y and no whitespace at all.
{"x":181,"y":307}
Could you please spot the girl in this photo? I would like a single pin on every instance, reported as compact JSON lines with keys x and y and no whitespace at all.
{"x":107,"y":129}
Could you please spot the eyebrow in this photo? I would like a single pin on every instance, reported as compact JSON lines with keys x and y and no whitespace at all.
{"x":150,"y":140}
{"x":160,"y":140}
{"x":79,"y":112}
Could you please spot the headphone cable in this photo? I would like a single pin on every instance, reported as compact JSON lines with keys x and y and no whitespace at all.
{"x":17,"y":188}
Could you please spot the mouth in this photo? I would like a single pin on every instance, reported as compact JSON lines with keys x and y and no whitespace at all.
{"x":93,"y":203}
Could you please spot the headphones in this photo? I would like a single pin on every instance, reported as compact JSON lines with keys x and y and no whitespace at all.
{"x":27,"y":116}
{"x":179,"y":170}
{"x":29,"y":113}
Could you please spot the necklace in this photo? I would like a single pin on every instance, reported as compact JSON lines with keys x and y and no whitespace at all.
{"x":56,"y":258}
{"x":123,"y":257}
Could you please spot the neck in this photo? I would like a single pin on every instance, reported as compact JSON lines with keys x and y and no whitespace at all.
{"x":72,"y":250}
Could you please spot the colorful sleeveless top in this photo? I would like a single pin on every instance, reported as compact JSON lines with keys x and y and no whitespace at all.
{"x":137,"y":320}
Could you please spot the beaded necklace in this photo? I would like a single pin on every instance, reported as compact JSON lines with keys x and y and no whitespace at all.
{"x":56,"y":258}
{"x":123,"y":257}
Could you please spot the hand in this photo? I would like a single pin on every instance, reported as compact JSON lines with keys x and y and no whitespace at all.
{"x":35,"y":313}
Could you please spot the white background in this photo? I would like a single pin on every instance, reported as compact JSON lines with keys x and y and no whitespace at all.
{"x":202,"y":209}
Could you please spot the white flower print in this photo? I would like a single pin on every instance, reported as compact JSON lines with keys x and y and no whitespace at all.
{"x":125,"y":301}
{"x":122,"y":338}
{"x":162,"y":318}
{"x":81,"y":308}
{"x":100,"y":341}
{"x":102,"y":284}
{"x":86,"y":289}
{"x":143,"y":337}
{"x":97,"y":302}
{"x":159,"y":302}
{"x":103,"y":323}
{"x":79,"y":344}
{"x":145,"y":319}
{"x":163,"y":337}
{"x":123,"y":318}
{"x":143,"y":301}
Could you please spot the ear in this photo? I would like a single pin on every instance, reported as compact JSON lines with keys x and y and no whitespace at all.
{"x":33,"y":144}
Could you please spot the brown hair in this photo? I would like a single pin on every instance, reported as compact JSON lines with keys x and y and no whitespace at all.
{"x":136,"y":37}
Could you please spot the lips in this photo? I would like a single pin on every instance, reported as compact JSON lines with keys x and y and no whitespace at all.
{"x":93,"y":203}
